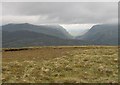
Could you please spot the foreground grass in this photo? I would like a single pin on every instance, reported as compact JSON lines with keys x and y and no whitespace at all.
{"x":87,"y":64}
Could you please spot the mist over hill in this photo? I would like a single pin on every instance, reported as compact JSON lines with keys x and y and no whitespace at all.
{"x":24,"y":35}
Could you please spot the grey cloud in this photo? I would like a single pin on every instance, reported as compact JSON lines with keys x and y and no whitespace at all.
{"x":64,"y":12}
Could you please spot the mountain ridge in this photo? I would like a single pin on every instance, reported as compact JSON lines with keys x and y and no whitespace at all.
{"x":58,"y":31}
{"x":98,"y":35}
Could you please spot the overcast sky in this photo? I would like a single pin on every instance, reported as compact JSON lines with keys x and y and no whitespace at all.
{"x":64,"y":13}
{"x":60,"y":13}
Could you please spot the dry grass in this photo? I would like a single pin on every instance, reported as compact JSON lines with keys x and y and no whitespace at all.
{"x":66,"y":64}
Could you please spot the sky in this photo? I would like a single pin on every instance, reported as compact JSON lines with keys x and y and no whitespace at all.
{"x":75,"y":15}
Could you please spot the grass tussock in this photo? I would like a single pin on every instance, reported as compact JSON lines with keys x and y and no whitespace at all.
{"x":87,"y":64}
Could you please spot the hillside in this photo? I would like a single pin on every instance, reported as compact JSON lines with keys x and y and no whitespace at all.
{"x":26,"y":38}
{"x":102,"y":35}
{"x":52,"y":30}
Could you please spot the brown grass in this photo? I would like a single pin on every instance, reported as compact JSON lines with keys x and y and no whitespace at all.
{"x":70,"y":64}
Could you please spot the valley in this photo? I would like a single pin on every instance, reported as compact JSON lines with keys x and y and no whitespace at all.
{"x":26,"y":35}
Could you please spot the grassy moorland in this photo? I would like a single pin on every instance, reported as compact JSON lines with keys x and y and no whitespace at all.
{"x":63,"y":64}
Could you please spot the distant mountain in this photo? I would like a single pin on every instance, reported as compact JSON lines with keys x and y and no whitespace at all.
{"x":25,"y":35}
{"x":52,"y":30}
{"x":26,"y":38}
{"x":102,"y":35}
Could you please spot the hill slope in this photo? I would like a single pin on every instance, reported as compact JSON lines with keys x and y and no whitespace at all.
{"x":102,"y":35}
{"x":26,"y":38}
{"x":53,"y":30}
